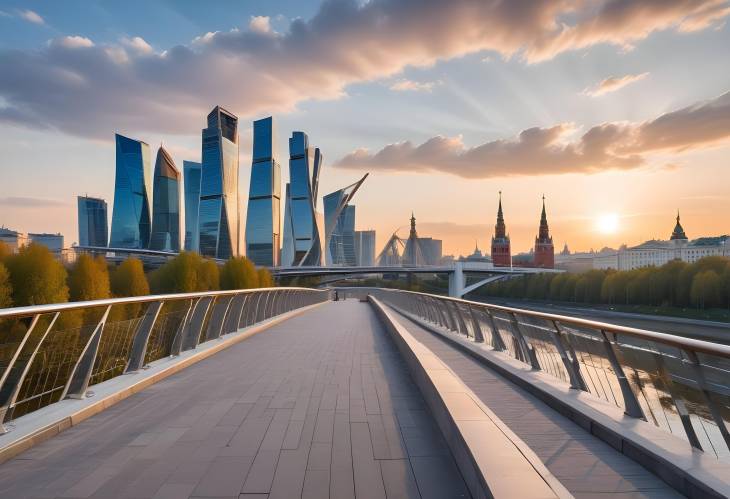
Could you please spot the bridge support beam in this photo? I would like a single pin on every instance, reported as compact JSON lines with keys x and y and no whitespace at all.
{"x":457,"y":281}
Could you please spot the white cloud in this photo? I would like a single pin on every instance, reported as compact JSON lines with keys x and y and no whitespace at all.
{"x":613,"y":84}
{"x":73,"y":42}
{"x":31,"y":16}
{"x":137,"y":44}
{"x":260,"y":24}
{"x":414,"y":86}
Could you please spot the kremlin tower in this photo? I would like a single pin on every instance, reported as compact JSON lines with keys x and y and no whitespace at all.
{"x":501,"y":254}
{"x":544,"y":249}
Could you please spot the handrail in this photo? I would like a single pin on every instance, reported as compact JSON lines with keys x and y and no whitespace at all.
{"x":664,"y":338}
{"x":660,"y":379}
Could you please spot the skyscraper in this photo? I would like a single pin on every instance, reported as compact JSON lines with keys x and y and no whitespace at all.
{"x":339,"y":223}
{"x":302,"y":245}
{"x":218,"y":222}
{"x":264,"y":199}
{"x":191,"y":174}
{"x":165,"y":204}
{"x":364,"y":248}
{"x":501,"y":252}
{"x":92,"y":219}
{"x":544,"y":249}
{"x":131,"y":218}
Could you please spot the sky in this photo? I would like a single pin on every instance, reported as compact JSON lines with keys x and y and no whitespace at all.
{"x":617,"y":111}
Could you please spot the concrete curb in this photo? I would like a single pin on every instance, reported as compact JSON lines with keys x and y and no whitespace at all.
{"x":38,"y":426}
{"x":690,"y":472}
{"x":492,"y":459}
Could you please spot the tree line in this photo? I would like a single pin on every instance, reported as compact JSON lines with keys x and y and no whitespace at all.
{"x":33,"y":276}
{"x":703,"y":284}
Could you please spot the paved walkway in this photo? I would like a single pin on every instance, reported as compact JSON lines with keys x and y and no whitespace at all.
{"x":318,"y":406}
{"x":586,"y":466}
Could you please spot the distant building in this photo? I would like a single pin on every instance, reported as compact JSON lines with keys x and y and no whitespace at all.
{"x":432,"y":250}
{"x":412,"y":254}
{"x":218,"y":213}
{"x":544,"y":249}
{"x":15,"y":240}
{"x":54,"y":242}
{"x":655,"y":253}
{"x":165,"y":204}
{"x":263,"y":219}
{"x":364,"y":248}
{"x":191,"y":182}
{"x":131,"y":216}
{"x":92,"y":220}
{"x":476,"y":256}
{"x":303,"y":227}
{"x":501,"y":251}
{"x":339,"y":223}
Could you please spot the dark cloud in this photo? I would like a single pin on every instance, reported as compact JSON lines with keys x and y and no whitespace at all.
{"x":89,"y":89}
{"x":540,"y":151}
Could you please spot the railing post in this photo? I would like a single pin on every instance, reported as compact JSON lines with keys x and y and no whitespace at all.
{"x":245,"y":312}
{"x":142,"y":336}
{"x":711,"y":405}
{"x":191,"y":336}
{"x":234,"y":314}
{"x":443,"y":322}
{"x":452,"y":325}
{"x":78,"y":381}
{"x":177,"y":340}
{"x":633,"y":408}
{"x":14,"y":375}
{"x":527,"y":349}
{"x":217,"y":316}
{"x":497,"y":342}
{"x":571,"y":364}
{"x":478,"y":336}
{"x":678,"y":402}
{"x":460,"y":319}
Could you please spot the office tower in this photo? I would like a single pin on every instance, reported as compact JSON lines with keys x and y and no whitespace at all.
{"x":165,"y":204}
{"x":544,"y":249}
{"x":264,"y":198}
{"x":218,"y":222}
{"x":54,"y":242}
{"x":302,"y":243}
{"x":432,"y":250}
{"x":131,"y":217}
{"x":365,"y":248}
{"x":339,"y":218}
{"x":191,"y":182}
{"x":501,"y":252}
{"x":92,"y":219}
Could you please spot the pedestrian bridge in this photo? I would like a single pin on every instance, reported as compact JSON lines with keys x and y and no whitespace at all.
{"x":285,"y":392}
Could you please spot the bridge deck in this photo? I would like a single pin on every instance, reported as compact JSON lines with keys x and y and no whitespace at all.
{"x":318,"y":405}
{"x":585,"y":465}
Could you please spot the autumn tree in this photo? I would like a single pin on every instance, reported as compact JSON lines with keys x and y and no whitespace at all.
{"x":36,"y":277}
{"x":186,"y":273}
{"x":264,"y":279}
{"x":239,"y":273}
{"x":706,"y":289}
{"x":89,"y":279}
{"x":129,"y":279}
{"x":6,"y":290}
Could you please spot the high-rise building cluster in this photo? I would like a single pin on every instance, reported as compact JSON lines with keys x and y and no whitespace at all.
{"x":148,"y":206}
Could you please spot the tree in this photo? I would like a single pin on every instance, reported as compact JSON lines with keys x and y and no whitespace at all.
{"x":208,"y":276}
{"x":36,"y":277}
{"x":4,"y":251}
{"x":129,"y":279}
{"x":6,"y":290}
{"x":89,"y":279}
{"x":265,"y":279}
{"x":239,"y":273}
{"x":186,"y":273}
{"x":726,"y":286}
{"x":706,"y":289}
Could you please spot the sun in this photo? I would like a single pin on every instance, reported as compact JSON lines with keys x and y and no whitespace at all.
{"x":607,"y":223}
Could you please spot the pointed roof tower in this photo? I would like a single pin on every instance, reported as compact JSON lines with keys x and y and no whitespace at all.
{"x":544,"y":233}
{"x":500,"y":230}
{"x":678,"y":233}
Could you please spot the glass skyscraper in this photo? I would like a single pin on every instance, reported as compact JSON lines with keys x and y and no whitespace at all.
{"x":191,"y":182}
{"x":92,"y":218}
{"x":165,"y":204}
{"x":302,"y":245}
{"x":131,"y":219}
{"x":218,"y":219}
{"x":364,"y":248}
{"x":264,"y":198}
{"x":339,"y":218}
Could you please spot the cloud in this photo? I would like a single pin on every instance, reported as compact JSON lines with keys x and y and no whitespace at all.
{"x":129,"y":86}
{"x":414,"y":86}
{"x":612,"y":84}
{"x":31,"y":16}
{"x":73,"y":42}
{"x":27,"y":202}
{"x":544,"y":151}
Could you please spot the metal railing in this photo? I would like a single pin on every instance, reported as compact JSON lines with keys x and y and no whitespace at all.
{"x":52,"y":352}
{"x":679,"y":384}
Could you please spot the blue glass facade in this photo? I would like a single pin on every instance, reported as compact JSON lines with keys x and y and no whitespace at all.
{"x":131,"y":217}
{"x":191,"y":183}
{"x":165,"y":204}
{"x":92,"y":218}
{"x":302,"y":229}
{"x":218,"y":219}
{"x":264,"y":198}
{"x":364,"y":248}
{"x":339,"y":218}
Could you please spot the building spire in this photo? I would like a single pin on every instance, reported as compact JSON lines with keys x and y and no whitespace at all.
{"x":678,"y":232}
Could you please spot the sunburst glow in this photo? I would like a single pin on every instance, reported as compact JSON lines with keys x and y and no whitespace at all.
{"x":607,"y":223}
